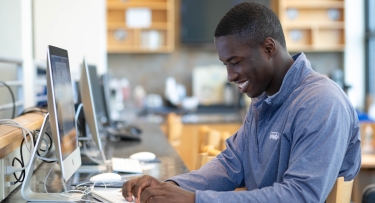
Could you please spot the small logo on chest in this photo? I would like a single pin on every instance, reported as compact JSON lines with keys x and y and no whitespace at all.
{"x":274,"y":135}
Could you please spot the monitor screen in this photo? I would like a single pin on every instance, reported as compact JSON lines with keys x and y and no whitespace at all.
{"x":89,"y":104}
{"x":97,"y":95}
{"x":104,"y":83}
{"x":61,"y":110}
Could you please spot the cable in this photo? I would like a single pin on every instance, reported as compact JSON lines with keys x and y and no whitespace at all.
{"x":12,"y":169}
{"x":45,"y":151}
{"x":77,"y":123}
{"x":45,"y":180}
{"x":13,"y":123}
{"x":21,"y":162}
{"x":34,"y":110}
{"x":22,"y":175}
{"x":13,"y":99}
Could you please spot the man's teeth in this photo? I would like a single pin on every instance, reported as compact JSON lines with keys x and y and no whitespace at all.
{"x":242,"y":85}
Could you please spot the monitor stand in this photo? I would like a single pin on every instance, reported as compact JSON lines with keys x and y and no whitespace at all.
{"x":88,"y":165}
{"x":26,"y":191}
{"x":87,"y":168}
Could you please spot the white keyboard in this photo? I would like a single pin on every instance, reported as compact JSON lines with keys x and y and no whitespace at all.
{"x":126,"y":165}
{"x":109,"y":195}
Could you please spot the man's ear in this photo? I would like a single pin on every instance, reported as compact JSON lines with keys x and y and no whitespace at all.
{"x":269,"y":46}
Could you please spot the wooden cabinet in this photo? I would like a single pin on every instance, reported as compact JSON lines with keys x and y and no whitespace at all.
{"x":317,"y":25}
{"x":158,"y":36}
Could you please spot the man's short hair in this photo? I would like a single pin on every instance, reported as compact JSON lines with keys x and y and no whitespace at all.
{"x":251,"y":23}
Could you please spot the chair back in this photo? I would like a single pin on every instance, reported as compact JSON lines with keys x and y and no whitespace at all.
{"x":174,"y":129}
{"x":202,"y":159}
{"x":341,"y":191}
{"x":212,"y":137}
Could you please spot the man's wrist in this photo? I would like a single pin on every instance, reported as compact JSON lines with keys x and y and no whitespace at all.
{"x":172,"y":182}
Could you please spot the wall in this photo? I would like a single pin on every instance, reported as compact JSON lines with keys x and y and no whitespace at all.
{"x":15,"y":43}
{"x":10,"y":35}
{"x":77,"y":26}
{"x":355,"y":51}
{"x":10,"y":24}
{"x":151,"y":70}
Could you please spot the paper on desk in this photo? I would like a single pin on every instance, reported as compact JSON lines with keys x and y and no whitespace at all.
{"x":138,"y":17}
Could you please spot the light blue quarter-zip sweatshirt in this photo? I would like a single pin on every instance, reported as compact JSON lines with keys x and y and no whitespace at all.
{"x":291,"y":147}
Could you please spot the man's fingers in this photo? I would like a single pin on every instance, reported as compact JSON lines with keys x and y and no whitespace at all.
{"x":127,"y":188}
{"x":140,"y":185}
{"x":149,"y":194}
{"x":155,"y":199}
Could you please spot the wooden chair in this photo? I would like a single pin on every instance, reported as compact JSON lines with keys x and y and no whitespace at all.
{"x":174,"y":129}
{"x":202,"y":159}
{"x":207,"y":156}
{"x":210,"y":143}
{"x":341,"y":191}
{"x":211,"y":137}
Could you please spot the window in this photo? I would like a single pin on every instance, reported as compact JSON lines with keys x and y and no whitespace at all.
{"x":370,"y":48}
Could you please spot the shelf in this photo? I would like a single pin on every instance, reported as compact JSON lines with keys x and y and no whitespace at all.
{"x":119,"y":49}
{"x":307,"y":48}
{"x":125,"y":5}
{"x":312,"y":26}
{"x":336,"y":25}
{"x":159,"y":37}
{"x":311,"y":4}
{"x":117,"y":25}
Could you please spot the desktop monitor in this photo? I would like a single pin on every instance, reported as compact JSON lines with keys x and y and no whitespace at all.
{"x":61,"y":116}
{"x":61,"y":111}
{"x":89,"y":105}
{"x":104,"y":83}
{"x":101,"y":114}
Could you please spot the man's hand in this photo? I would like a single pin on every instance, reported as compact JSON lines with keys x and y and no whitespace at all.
{"x":151,"y":190}
{"x":135,"y":186}
{"x":167,"y":192}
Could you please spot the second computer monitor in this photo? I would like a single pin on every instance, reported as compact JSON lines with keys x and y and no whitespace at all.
{"x":88,"y":101}
{"x":100,"y":109}
{"x":104,"y":84}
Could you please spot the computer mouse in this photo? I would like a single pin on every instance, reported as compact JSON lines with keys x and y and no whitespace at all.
{"x":124,"y":134}
{"x":143,"y":156}
{"x":134,"y":129}
{"x":106,"y":178}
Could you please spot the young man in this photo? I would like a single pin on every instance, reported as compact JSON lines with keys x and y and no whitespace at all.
{"x":299,"y":135}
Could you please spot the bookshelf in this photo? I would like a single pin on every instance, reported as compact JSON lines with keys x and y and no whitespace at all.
{"x":157,"y":36}
{"x":314,"y":26}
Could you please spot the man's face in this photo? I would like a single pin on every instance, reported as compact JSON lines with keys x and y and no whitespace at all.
{"x":249,"y":67}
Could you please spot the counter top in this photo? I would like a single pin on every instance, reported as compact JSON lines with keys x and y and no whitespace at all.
{"x":153,"y":140}
{"x":203,"y":115}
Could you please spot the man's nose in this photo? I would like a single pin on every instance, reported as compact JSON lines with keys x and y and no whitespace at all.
{"x":232,"y":76}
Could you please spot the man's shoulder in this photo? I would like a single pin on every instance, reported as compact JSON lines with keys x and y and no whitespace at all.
{"x":318,"y":90}
{"x":318,"y":85}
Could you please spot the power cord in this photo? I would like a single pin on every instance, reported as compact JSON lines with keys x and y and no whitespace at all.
{"x":13,"y":99}
{"x":85,"y":191}
{"x":21,"y":161}
{"x":32,"y":134}
{"x":34,"y":110}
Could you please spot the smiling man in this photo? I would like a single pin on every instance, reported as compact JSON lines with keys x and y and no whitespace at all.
{"x":300,"y":134}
